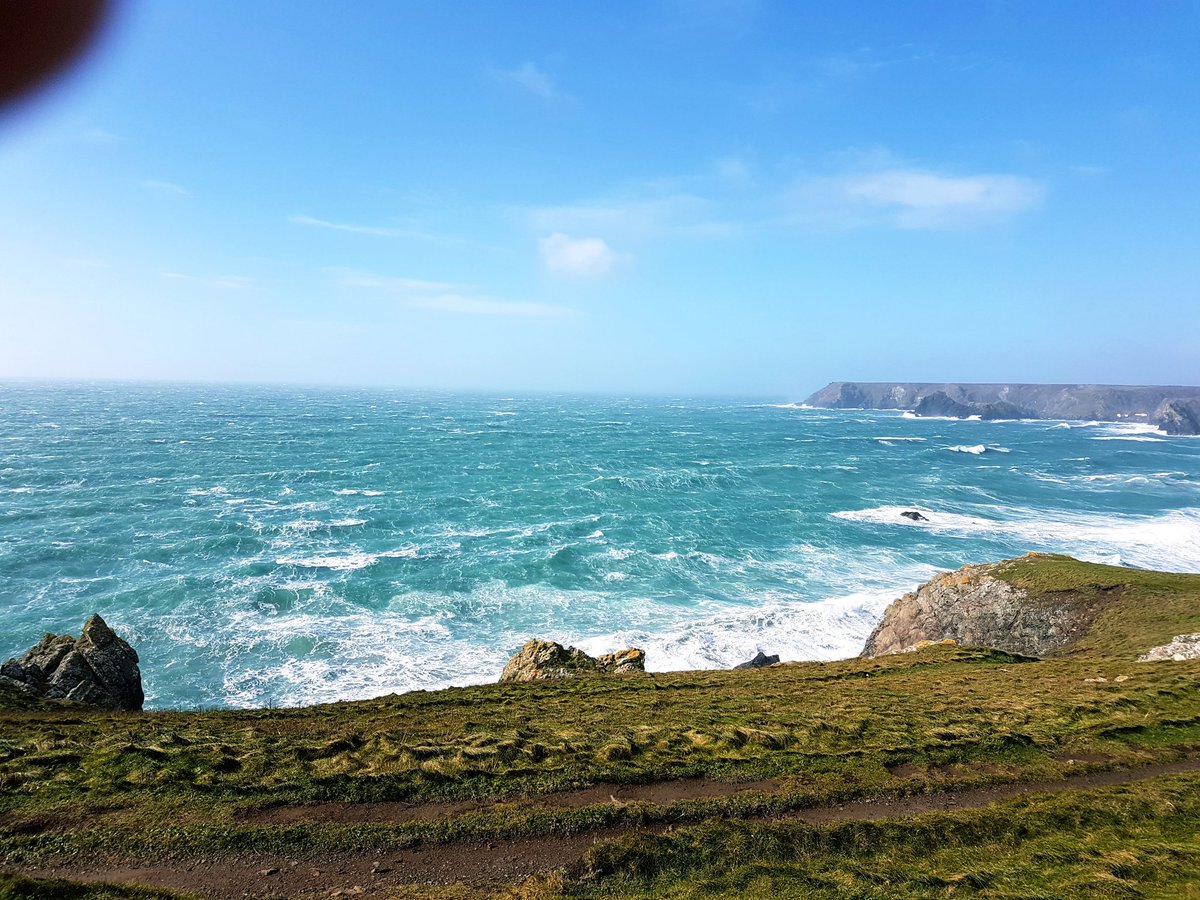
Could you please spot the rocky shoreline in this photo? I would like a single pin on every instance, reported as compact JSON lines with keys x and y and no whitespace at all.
{"x":1172,"y":409}
{"x":973,"y":606}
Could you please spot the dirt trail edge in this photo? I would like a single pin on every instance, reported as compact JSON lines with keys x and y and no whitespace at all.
{"x":506,"y":861}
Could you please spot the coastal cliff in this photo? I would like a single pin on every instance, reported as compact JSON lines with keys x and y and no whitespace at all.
{"x":1174,"y":409}
{"x":976,"y":606}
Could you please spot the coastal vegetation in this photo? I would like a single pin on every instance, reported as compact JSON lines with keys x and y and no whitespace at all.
{"x":696,"y":783}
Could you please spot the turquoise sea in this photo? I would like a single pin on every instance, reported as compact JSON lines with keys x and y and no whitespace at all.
{"x":290,"y":546}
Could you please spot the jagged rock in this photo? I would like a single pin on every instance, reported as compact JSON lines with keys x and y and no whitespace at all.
{"x":914,"y":515}
{"x":99,"y":669}
{"x":973,"y":607}
{"x":541,"y":660}
{"x":939,"y":403}
{"x":1085,"y":402}
{"x":1181,"y":647}
{"x":1178,"y":417}
{"x":623,"y":662}
{"x":760,"y":661}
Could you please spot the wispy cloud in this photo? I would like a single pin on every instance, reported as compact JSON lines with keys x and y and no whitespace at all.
{"x":100,"y":136}
{"x":439,"y":296}
{"x":633,"y":217}
{"x":165,"y":187}
{"x":920,"y":198}
{"x":532,"y":79}
{"x":406,"y":285}
{"x":577,"y":257}
{"x":476,"y":305}
{"x":221,"y":282}
{"x":371,"y":230}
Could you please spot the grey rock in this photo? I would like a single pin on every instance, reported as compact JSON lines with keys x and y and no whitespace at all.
{"x":760,"y":660}
{"x":1181,"y":647}
{"x":914,"y":515}
{"x":544,"y":660}
{"x":1108,"y":402}
{"x":1178,"y":417}
{"x":99,"y":669}
{"x":939,"y":403}
{"x":973,"y":607}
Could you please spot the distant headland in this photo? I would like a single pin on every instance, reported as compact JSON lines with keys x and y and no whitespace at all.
{"x":1173,"y":409}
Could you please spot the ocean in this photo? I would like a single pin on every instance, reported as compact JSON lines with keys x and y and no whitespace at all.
{"x":286,"y":546}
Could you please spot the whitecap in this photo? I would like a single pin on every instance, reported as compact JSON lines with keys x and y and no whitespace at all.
{"x":1169,"y":541}
{"x":347,"y":561}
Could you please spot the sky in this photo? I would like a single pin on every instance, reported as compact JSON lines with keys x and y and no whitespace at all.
{"x":685,"y":197}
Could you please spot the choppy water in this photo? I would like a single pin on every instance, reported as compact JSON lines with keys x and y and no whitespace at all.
{"x":283,"y":546}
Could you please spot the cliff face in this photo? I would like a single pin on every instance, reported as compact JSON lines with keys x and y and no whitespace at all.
{"x":1174,"y":409}
{"x":971,"y":606}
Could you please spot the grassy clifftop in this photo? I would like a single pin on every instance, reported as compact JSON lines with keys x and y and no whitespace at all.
{"x":515,"y":761}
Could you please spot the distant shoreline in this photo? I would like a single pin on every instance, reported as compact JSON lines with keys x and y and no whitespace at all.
{"x":1173,"y":409}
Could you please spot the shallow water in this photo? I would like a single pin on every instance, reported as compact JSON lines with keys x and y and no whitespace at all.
{"x":284,"y":546}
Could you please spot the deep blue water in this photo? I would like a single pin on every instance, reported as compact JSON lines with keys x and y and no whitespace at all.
{"x":284,"y":546}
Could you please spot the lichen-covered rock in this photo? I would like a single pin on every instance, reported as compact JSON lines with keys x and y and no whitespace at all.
{"x":1181,"y":647}
{"x":623,"y":662}
{"x":973,"y":607}
{"x":542,"y":660}
{"x":99,"y":669}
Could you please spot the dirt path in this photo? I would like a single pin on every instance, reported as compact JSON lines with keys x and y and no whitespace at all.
{"x":496,"y":862}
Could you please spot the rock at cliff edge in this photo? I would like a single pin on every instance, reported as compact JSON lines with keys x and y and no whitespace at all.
{"x":96,"y":669}
{"x":545,"y":660}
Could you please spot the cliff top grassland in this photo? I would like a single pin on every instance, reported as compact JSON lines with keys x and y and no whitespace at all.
{"x":695,"y":784}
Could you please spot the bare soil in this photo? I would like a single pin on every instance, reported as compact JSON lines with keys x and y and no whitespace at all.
{"x":500,"y":862}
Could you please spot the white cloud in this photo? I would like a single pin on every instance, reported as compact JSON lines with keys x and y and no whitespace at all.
{"x":918,"y":198}
{"x":418,"y":293}
{"x":405,"y":285}
{"x":221,"y":282}
{"x":633,"y":218}
{"x":532,"y":79}
{"x":733,"y":171}
{"x":579,"y":257}
{"x":485,"y":306}
{"x":166,"y":187}
{"x":372,"y":230}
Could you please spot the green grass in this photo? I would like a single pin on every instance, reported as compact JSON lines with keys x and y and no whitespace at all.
{"x":1132,"y":841}
{"x":1151,"y":608}
{"x":84,"y":785}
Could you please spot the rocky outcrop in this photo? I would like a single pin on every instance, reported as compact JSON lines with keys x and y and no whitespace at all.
{"x":1174,"y":409}
{"x":1181,"y":647}
{"x":760,"y":661}
{"x":542,"y":660}
{"x":97,"y":669}
{"x":974,"y":607}
{"x":939,"y":403}
{"x":1178,"y":417}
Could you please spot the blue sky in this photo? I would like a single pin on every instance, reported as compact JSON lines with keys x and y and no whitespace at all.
{"x":708,"y":197}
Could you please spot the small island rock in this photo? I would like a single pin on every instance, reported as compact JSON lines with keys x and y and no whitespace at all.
{"x":914,"y":515}
{"x":542,"y":660}
{"x":98,"y":669}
